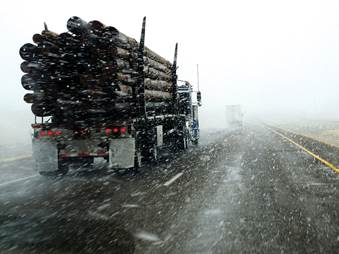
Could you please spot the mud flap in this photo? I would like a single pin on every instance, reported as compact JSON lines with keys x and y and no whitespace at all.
{"x":45,"y":155}
{"x":160,"y":135}
{"x":122,"y":153}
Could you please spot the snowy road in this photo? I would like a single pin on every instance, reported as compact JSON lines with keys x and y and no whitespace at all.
{"x":249,"y":193}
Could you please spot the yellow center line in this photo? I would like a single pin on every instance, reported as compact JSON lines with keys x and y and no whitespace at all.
{"x":326,"y":163}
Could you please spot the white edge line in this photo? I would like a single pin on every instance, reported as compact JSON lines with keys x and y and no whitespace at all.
{"x":15,"y":158}
{"x":17,"y":180}
{"x":169,"y":182}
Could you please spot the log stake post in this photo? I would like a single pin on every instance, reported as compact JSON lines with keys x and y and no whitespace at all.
{"x":174,"y":81}
{"x":140,"y":86}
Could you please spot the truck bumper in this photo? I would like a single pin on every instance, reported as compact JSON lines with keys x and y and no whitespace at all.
{"x":83,"y":148}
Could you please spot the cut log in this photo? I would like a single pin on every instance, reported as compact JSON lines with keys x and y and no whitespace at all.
{"x":158,"y":85}
{"x":152,"y":94}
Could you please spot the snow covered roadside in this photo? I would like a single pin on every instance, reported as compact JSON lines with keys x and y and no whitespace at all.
{"x":323,"y":131}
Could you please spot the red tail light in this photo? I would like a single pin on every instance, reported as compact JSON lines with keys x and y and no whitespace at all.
{"x":58,"y":132}
{"x":116,"y":131}
{"x":108,"y":131}
{"x":49,"y":133}
{"x":123,"y":130}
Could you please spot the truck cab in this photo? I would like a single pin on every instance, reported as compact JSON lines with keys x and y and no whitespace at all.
{"x":234,"y":117}
{"x":190,"y":108}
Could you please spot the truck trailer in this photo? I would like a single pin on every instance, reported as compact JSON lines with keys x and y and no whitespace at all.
{"x":126,"y":111}
{"x":234,"y":117}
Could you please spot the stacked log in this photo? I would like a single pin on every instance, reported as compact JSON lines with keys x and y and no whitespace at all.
{"x":91,"y":69}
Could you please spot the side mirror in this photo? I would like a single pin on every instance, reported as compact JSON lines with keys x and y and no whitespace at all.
{"x":199,"y":98}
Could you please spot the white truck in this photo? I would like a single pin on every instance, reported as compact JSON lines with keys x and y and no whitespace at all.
{"x":234,"y":117}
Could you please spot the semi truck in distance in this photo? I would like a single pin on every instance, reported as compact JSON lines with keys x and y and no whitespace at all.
{"x":234,"y":117}
{"x":96,"y":92}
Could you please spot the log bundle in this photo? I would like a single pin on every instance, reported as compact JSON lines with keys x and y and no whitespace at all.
{"x":92,"y":70}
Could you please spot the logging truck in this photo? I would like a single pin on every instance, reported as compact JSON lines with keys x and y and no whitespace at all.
{"x":138,"y":123}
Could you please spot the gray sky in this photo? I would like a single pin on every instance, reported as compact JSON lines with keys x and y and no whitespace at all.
{"x":273,"y":57}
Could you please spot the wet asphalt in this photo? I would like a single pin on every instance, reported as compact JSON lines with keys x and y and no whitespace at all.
{"x":248,"y":192}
